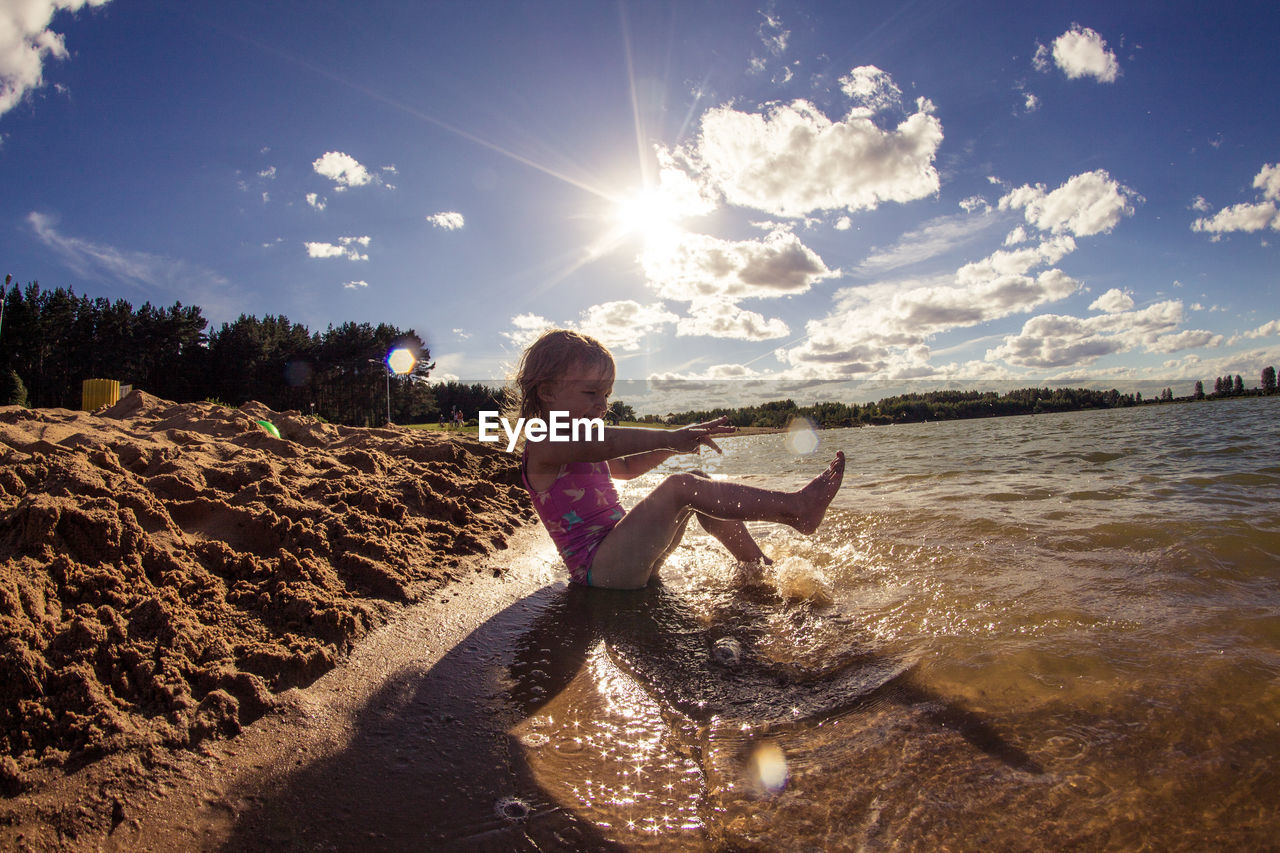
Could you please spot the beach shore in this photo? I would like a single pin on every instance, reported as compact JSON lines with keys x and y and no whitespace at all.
{"x":171,"y":574}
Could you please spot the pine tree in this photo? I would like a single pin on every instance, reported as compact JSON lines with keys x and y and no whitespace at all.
{"x":12,"y":391}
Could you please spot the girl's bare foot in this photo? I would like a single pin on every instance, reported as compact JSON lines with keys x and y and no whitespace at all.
{"x":816,"y":497}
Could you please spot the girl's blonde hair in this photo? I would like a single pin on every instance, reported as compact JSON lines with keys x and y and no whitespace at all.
{"x":548,"y":359}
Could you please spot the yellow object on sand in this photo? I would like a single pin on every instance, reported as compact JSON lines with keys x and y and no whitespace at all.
{"x":96,"y":393}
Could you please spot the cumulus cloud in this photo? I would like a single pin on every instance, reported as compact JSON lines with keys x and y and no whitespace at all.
{"x":1080,"y":52}
{"x":1266,"y":330}
{"x":1114,"y":301}
{"x":697,"y":266}
{"x":1016,"y":236}
{"x":1088,"y":203}
{"x":526,"y":328}
{"x":356,"y":285}
{"x":346,"y":247}
{"x":792,"y":161}
{"x":1054,"y":340}
{"x":1246,"y":216}
{"x":724,"y":319}
{"x":884,"y":329}
{"x":316,"y":201}
{"x":871,"y":89}
{"x":620,"y":325}
{"x":343,"y":169}
{"x":26,"y":42}
{"x":449,"y":220}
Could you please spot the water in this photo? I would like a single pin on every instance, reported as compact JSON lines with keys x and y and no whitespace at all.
{"x":1049,"y":632}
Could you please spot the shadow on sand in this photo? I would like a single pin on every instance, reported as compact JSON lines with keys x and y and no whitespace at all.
{"x":432,"y":763}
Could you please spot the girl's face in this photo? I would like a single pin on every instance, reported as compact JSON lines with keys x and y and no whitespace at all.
{"x":583,"y":392}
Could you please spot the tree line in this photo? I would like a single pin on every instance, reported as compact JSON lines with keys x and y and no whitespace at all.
{"x":950,"y":405}
{"x":53,"y":340}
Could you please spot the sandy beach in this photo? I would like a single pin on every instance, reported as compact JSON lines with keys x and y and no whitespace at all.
{"x":172,"y":574}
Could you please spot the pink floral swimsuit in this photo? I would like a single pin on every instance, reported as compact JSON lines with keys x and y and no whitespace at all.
{"x":579,"y":509}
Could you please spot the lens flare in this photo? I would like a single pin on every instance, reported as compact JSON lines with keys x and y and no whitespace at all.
{"x":769,"y":767}
{"x":801,"y":438}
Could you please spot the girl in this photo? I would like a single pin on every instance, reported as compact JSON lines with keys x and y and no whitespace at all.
{"x":571,"y":482}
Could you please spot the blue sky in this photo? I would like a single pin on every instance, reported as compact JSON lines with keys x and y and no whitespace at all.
{"x":810,"y":195}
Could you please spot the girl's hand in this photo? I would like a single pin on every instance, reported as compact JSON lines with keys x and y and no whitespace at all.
{"x":689,"y":439}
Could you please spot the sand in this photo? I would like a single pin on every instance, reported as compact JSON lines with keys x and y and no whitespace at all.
{"x":167,"y":571}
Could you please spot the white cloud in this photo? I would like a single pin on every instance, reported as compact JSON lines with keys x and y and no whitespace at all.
{"x":346,"y":247}
{"x":871,"y":89}
{"x":268,"y":173}
{"x":343,"y":169}
{"x":1055,"y":341}
{"x":316,"y":201}
{"x":449,"y":220}
{"x":1030,"y":103}
{"x":697,"y":266}
{"x":844,"y":223}
{"x":620,"y":325}
{"x":1016,"y":236}
{"x":1199,"y":203}
{"x":935,"y":237}
{"x":773,"y":35}
{"x":1088,"y":203}
{"x":26,"y":41}
{"x":724,"y":319}
{"x":974,"y":203}
{"x":1266,"y":330}
{"x":526,"y":329}
{"x":1247,"y":216}
{"x":170,"y":277}
{"x":883,"y":329}
{"x":1268,"y":180}
{"x":793,"y":161}
{"x":1240,"y":217}
{"x":356,"y":285}
{"x":1114,"y":301}
{"x":1080,"y":52}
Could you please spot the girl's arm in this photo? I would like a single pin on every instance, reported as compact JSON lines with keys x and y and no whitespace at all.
{"x":626,"y":441}
{"x":630,"y":467}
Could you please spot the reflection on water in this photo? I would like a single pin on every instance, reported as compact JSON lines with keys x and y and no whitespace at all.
{"x":1056,"y":631}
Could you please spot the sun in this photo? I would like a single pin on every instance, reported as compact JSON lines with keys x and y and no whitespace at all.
{"x":646,"y":213}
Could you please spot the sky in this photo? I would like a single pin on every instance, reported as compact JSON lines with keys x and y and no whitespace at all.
{"x":821,"y":200}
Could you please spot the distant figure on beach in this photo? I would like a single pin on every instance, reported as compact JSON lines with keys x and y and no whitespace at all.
{"x":571,"y":482}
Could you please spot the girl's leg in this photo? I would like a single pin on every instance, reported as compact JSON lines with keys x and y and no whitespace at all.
{"x":635,"y":548}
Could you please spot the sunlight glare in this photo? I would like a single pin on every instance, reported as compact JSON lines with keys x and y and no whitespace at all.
{"x":649,"y":213}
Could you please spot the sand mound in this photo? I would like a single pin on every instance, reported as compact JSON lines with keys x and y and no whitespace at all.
{"x":165,"y":569}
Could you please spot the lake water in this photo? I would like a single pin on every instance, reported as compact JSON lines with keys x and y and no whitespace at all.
{"x":1048,"y":632}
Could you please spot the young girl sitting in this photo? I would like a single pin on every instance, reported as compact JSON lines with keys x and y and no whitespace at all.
{"x":571,"y":482}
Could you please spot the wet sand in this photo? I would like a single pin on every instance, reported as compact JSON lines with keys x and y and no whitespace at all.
{"x":175,"y":580}
{"x":405,"y":745}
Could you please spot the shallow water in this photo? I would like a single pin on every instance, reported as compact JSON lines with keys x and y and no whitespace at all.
{"x":1059,"y":631}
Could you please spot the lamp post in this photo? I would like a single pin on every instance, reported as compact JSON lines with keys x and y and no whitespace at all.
{"x":399,"y":361}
